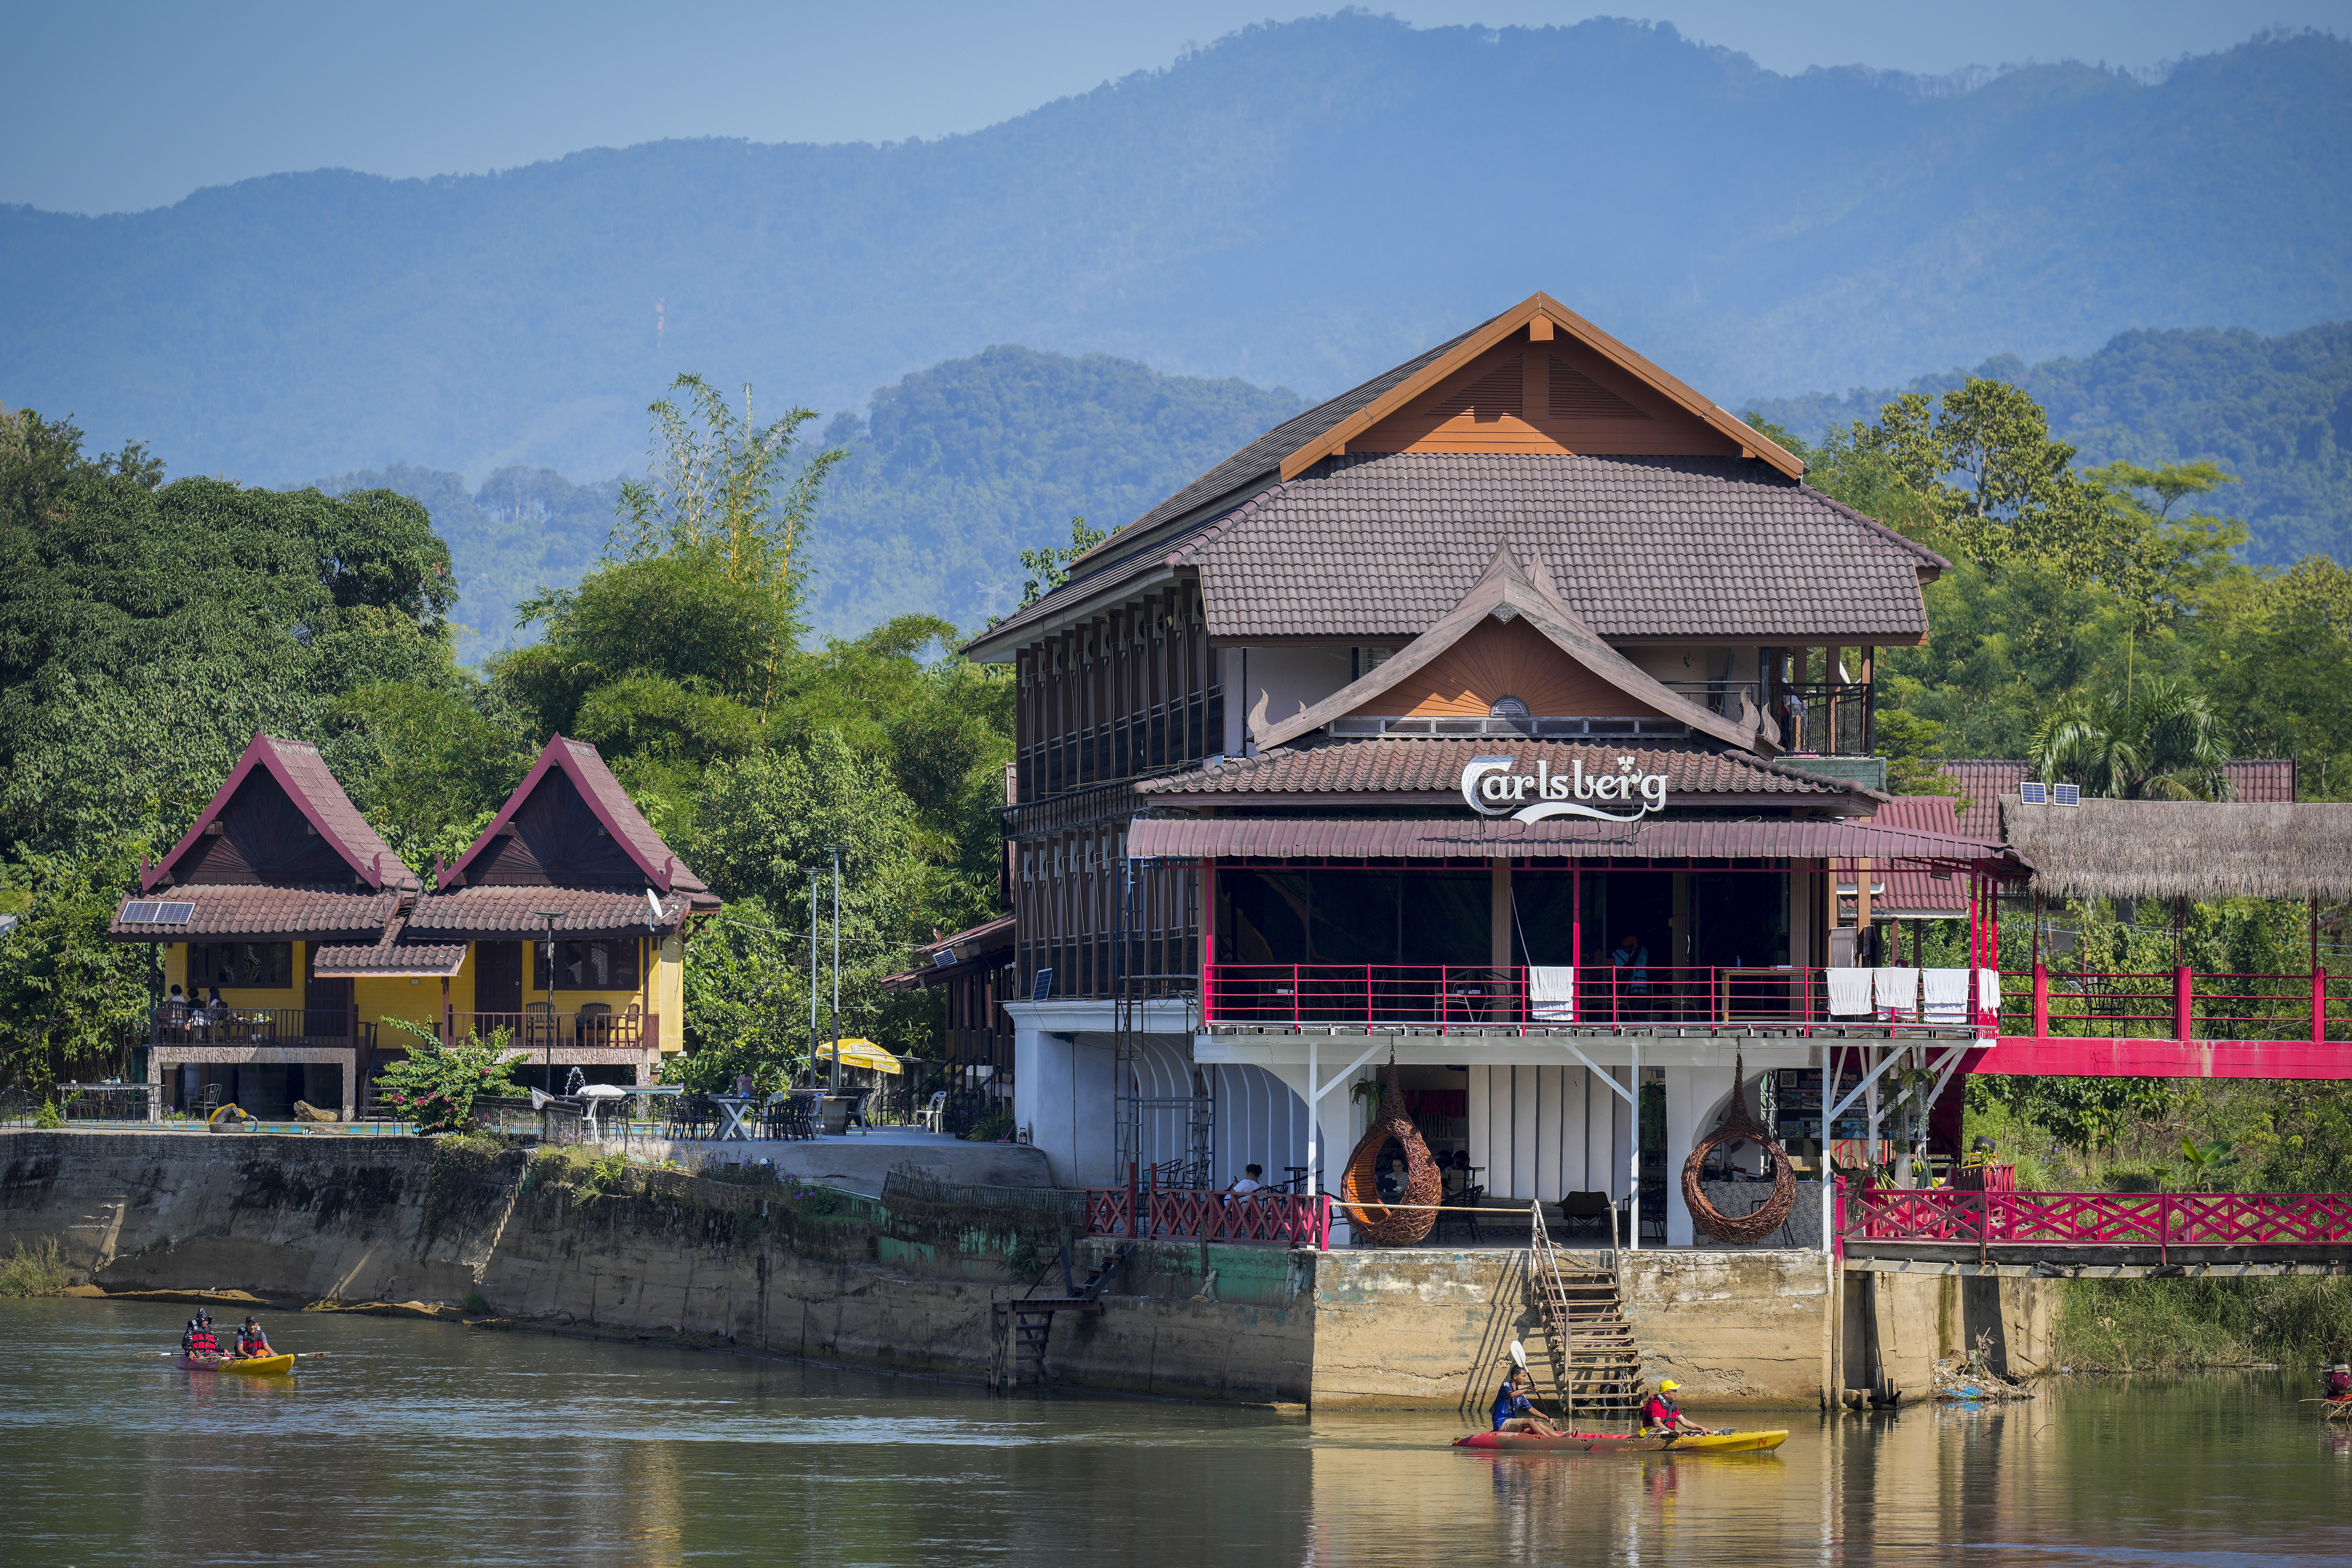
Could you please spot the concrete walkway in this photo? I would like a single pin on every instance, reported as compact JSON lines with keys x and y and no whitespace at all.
{"x":858,"y":1162}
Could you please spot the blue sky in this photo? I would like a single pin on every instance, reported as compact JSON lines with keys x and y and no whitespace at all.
{"x":117,"y":105}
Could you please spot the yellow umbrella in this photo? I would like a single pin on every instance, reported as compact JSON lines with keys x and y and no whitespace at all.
{"x":860,"y":1054}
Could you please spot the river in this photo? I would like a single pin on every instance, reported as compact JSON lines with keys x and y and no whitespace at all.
{"x":418,"y":1442}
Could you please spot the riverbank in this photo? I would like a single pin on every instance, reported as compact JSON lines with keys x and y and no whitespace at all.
{"x":554,"y":1239}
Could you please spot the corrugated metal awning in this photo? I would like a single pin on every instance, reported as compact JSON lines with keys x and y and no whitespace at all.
{"x":1339,"y":839}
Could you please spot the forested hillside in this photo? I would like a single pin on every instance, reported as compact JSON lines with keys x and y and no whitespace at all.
{"x":2275,"y":413}
{"x":1301,"y":205}
{"x":951,"y":473}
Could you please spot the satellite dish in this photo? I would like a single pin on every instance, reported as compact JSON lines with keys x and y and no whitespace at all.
{"x":655,"y":905}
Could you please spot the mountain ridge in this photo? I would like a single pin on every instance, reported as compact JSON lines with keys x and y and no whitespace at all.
{"x":1301,"y":202}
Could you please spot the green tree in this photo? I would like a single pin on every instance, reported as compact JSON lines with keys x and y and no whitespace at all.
{"x":1049,"y":568}
{"x":723,"y":495}
{"x":2015,"y":490}
{"x":66,"y":992}
{"x":2160,"y":741}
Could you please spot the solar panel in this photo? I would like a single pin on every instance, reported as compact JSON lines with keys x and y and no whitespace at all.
{"x":1044,"y":989}
{"x":149,"y":912}
{"x":2066,"y":794}
{"x":2034,"y":793}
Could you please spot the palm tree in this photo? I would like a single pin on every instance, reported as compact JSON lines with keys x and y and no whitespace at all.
{"x":2160,"y":742}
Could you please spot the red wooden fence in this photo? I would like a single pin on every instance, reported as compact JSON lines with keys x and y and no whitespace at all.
{"x":2099,"y":1219}
{"x":1285,"y":1219}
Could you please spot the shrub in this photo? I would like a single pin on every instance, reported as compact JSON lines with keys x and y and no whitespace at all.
{"x":33,"y":1271}
{"x":48,"y":1117}
{"x":435,"y":1087}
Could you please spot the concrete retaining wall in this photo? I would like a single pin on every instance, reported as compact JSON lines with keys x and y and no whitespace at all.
{"x":379,"y":1220}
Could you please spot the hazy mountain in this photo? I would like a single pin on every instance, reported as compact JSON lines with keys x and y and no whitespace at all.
{"x":951,"y":475}
{"x":1302,"y":204}
{"x":2276,"y":412}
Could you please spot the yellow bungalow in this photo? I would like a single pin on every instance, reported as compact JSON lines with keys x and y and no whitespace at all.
{"x":290,"y":933}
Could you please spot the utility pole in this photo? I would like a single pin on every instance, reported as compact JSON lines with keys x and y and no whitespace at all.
{"x":833,"y":1081}
{"x":813,"y":1035}
{"x":551,"y":917}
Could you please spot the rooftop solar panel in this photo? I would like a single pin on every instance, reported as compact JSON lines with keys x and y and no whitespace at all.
{"x":150,"y":913}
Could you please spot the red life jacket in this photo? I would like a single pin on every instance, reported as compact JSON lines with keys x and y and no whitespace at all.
{"x":203,"y":1341}
{"x":252,"y":1342}
{"x":1660,"y":1411}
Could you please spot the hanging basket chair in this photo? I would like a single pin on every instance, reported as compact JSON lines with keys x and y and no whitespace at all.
{"x":1360,"y":1190}
{"x":1737,"y":1127}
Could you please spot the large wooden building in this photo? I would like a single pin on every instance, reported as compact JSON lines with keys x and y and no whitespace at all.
{"x":1505,"y":715}
{"x":289,"y":933}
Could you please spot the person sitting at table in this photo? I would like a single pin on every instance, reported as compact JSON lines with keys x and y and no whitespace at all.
{"x":175,"y":1010}
{"x":1252,"y":1181}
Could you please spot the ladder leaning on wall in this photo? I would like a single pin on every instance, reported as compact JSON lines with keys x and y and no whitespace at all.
{"x":1595,"y":1364}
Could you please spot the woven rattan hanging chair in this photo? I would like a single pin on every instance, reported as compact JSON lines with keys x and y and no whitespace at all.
{"x":1737,"y":1127}
{"x":1359,"y":1188}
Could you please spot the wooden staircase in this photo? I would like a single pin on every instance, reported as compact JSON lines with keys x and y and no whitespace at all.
{"x":1595,"y":1364}
{"x":1018,"y":1328}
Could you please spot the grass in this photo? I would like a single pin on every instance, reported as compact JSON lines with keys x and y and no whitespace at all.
{"x":33,"y":1271}
{"x":2171,"y":1325}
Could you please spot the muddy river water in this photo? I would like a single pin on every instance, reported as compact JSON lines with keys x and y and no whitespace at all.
{"x":414,"y":1442}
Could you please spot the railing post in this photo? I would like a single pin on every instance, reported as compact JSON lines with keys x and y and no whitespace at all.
{"x":1134,"y":1216}
{"x":2319,"y":1006}
{"x":2180,"y":1009}
{"x":1322,"y":1222}
{"x":2163,"y":1226}
{"x":2040,"y":1000}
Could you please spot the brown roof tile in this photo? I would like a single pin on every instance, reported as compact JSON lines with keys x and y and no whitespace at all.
{"x":1466,"y":838}
{"x":1379,"y":547}
{"x":496,"y":911}
{"x":245,"y":909}
{"x":1426,"y":764}
{"x":1984,"y":780}
{"x":391,"y":958}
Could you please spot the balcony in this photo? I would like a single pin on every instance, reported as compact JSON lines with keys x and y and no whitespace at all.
{"x":1819,"y":718}
{"x":1593,"y":996}
{"x":175,"y":1025}
{"x":540,"y":1027}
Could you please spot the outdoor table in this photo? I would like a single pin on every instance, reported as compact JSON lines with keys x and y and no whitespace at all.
{"x":732,"y":1106}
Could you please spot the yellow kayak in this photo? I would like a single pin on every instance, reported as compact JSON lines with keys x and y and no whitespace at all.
{"x":1627,"y":1443}
{"x":252,"y":1366}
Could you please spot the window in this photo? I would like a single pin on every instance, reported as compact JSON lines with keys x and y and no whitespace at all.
{"x":241,"y":965}
{"x":606,"y":965}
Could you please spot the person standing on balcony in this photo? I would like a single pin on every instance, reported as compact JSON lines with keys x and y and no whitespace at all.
{"x":1631,"y":962}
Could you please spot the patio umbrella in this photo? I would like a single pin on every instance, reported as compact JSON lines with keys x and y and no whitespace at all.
{"x":862,"y":1054}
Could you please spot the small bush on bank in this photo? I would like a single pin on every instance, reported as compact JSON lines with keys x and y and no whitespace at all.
{"x":2171,"y":1325}
{"x":33,"y":1271}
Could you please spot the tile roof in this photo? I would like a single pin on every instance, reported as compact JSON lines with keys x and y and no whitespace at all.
{"x":1380,"y":546}
{"x":1984,"y":780}
{"x":245,"y":909}
{"x":1911,"y":894}
{"x":420,"y":959}
{"x":988,"y":945}
{"x":1433,"y":765}
{"x":496,"y":911}
{"x":303,"y":773}
{"x":1133,"y":551}
{"x":585,"y":766}
{"x":1465,"y":838}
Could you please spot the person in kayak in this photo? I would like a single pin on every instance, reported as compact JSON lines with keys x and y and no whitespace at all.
{"x":1662,"y":1417}
{"x":199,"y":1339}
{"x":1515,"y":1406}
{"x":251,"y":1343}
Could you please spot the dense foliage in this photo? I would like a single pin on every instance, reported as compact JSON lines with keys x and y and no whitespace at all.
{"x":435,"y":1085}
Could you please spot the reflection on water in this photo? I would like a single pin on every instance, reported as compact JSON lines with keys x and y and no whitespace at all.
{"x":417,"y":1442}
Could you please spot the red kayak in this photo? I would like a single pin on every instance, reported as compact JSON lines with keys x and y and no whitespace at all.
{"x":1627,"y":1443}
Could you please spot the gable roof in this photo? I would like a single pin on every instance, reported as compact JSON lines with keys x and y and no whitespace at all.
{"x":1431,"y":766}
{"x":297,"y":768}
{"x":1509,"y":591}
{"x":1548,"y":316}
{"x":583,"y":766}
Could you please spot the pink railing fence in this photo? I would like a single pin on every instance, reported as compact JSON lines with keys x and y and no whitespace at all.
{"x":2180,"y":1004}
{"x":1283,"y":1219}
{"x":1470,"y":996}
{"x":2099,"y":1219}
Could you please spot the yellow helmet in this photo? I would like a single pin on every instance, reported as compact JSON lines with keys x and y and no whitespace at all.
{"x":1667,"y":1386}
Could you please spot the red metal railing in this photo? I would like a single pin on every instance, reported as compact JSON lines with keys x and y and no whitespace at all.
{"x":1283,"y":1219}
{"x":2180,"y":1004}
{"x":2098,"y":1219}
{"x":1473,"y":996}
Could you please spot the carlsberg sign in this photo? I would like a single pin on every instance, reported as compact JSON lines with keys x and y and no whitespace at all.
{"x":1493,"y":789}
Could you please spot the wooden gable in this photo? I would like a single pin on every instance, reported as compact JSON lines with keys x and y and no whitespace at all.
{"x":261,"y":837}
{"x":554,"y":840}
{"x":1555,"y":395}
{"x":1495,"y":659}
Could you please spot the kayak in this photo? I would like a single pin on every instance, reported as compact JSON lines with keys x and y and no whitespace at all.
{"x":1627,"y":1443}
{"x":253,"y":1366}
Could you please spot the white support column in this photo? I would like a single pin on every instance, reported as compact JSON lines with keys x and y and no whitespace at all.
{"x":1691,"y":1093}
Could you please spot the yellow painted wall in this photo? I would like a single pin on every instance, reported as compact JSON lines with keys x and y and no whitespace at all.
{"x":419,"y":1001}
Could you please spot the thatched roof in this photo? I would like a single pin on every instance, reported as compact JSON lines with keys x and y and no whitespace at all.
{"x":2183,"y":849}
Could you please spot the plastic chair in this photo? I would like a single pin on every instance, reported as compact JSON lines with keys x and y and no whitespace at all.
{"x":928,"y":1120}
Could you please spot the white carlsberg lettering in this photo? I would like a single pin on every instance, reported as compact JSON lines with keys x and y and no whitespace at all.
{"x":1493,"y":786}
